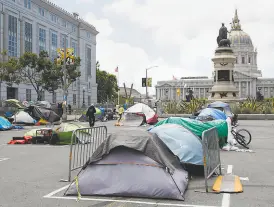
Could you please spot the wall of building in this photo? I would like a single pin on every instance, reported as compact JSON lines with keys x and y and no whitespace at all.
{"x":55,"y":20}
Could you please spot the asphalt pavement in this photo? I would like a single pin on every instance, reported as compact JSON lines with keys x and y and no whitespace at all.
{"x":30,"y":175}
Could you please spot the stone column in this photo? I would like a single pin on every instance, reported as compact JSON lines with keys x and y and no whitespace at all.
{"x":22,"y":48}
{"x":268,"y":92}
{"x":199,"y":92}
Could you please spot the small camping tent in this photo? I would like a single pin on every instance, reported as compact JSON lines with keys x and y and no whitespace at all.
{"x":224,"y":107}
{"x":212,"y":112}
{"x":182,"y":142}
{"x":41,"y":113}
{"x":23,"y":117}
{"x":114,"y":167}
{"x":140,"y":108}
{"x":197,"y":127}
{"x":43,"y":104}
{"x":4,"y":124}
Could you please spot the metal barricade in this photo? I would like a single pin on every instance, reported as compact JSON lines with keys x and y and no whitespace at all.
{"x":84,"y":142}
{"x":211,"y":150}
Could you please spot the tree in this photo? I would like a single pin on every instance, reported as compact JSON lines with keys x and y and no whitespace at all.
{"x":9,"y":70}
{"x":107,"y":85}
{"x":32,"y":68}
{"x":53,"y":77}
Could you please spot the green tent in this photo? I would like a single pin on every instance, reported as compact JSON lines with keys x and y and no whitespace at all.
{"x":197,"y":127}
{"x":98,"y":111}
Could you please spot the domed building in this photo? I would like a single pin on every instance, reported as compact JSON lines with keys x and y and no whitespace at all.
{"x":247,"y":77}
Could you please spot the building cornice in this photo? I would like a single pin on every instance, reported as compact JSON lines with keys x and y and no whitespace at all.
{"x":65,"y":15}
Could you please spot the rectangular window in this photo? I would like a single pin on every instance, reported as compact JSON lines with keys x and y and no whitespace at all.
{"x":74,"y":99}
{"x":73,"y":28}
{"x":42,"y":40}
{"x":53,"y":18}
{"x":53,"y":52}
{"x":249,"y":60}
{"x":28,"y":94}
{"x":88,"y":62}
{"x":27,"y":4}
{"x":236,"y":60}
{"x":88,"y":35}
{"x":54,"y":97}
{"x":89,"y":100}
{"x":243,"y":60}
{"x":63,"y":23}
{"x":63,"y":41}
{"x":28,"y":37}
{"x":74,"y":46}
{"x":42,"y":12}
{"x":12,"y":31}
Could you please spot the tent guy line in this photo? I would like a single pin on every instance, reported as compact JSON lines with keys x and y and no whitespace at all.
{"x":226,"y":196}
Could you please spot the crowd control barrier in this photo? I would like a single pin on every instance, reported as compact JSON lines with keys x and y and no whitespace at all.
{"x":211,"y":150}
{"x":84,"y":142}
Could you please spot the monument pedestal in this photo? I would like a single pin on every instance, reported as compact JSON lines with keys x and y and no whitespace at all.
{"x":224,"y":88}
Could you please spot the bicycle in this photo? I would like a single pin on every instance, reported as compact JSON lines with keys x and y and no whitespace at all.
{"x":240,"y":137}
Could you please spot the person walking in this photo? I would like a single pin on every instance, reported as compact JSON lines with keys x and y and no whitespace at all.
{"x":120,"y":112}
{"x":91,"y":115}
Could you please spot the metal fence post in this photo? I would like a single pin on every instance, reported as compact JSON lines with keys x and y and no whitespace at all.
{"x":84,"y":142}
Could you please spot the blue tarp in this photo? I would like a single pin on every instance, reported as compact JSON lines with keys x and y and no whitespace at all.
{"x":183,"y":143}
{"x":4,"y":124}
{"x":218,"y":104}
{"x":214,"y":113}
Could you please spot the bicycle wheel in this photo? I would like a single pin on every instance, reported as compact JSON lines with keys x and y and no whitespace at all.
{"x":243,"y":137}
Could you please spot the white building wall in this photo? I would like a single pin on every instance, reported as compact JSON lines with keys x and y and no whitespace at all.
{"x":32,"y":16}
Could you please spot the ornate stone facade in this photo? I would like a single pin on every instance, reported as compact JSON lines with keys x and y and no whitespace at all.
{"x":35,"y":25}
{"x":247,"y":77}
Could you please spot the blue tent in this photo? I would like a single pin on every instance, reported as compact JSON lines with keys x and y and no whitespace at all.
{"x":183,"y":143}
{"x":4,"y":124}
{"x":221,"y":106}
{"x":218,"y":104}
{"x":214,"y":113}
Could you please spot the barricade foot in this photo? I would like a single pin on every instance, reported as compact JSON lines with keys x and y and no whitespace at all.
{"x":228,"y":184}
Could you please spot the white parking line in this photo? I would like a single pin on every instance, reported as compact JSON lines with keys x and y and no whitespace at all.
{"x":51,"y":195}
{"x":3,"y":159}
{"x":226,"y":196}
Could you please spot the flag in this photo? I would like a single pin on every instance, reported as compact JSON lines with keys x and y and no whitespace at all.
{"x":116,"y":69}
{"x":174,"y":78}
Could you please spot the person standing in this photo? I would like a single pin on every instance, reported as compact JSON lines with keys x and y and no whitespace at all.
{"x":91,"y":115}
{"x":120,"y":112}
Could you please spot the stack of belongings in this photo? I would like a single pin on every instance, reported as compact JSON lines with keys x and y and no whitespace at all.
{"x":132,"y":163}
{"x":21,"y":140}
{"x":209,"y":114}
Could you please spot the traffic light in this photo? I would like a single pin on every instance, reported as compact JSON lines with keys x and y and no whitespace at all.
{"x":178,"y":92}
{"x":144,"y":82}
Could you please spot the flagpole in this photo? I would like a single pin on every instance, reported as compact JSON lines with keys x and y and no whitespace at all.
{"x":118,"y":87}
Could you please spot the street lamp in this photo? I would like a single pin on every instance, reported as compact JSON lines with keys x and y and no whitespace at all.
{"x":83,"y":97}
{"x":146,"y":78}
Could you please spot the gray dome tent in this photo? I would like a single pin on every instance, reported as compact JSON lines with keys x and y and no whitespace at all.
{"x":132,"y":163}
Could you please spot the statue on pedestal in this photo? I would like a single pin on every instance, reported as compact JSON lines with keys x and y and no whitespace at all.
{"x":222,"y":38}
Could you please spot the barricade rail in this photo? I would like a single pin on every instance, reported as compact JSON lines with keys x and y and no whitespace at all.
{"x":211,"y":151}
{"x":84,"y":142}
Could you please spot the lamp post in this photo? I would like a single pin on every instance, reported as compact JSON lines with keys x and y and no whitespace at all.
{"x":146,"y":78}
{"x":83,"y":97}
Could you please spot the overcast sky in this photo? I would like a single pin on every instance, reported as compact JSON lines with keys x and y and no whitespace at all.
{"x":177,"y":35}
